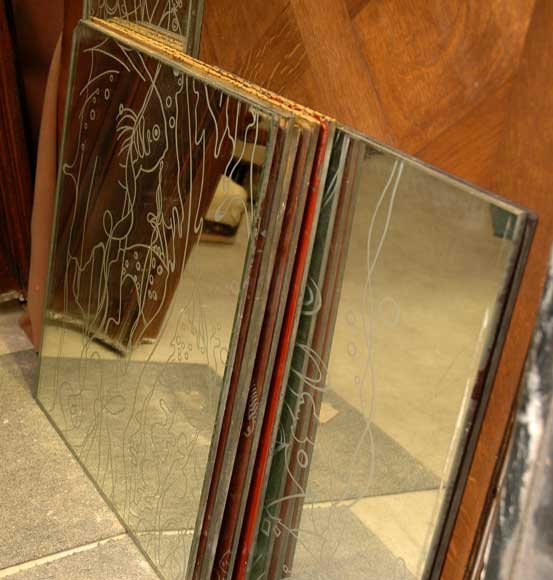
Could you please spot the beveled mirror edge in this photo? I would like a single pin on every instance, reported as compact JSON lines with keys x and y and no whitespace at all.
{"x":260,"y":302}
{"x":245,"y":371}
{"x":290,"y":142}
{"x":245,"y":378}
{"x":467,"y":448}
{"x":346,"y":192}
{"x":305,"y":179}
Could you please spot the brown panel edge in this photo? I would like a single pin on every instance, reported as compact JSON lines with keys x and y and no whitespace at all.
{"x":436,"y":565}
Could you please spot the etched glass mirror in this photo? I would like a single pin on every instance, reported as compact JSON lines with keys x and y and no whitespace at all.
{"x":180,"y":19}
{"x":169,"y":197}
{"x":386,"y":376}
{"x":267,"y":339}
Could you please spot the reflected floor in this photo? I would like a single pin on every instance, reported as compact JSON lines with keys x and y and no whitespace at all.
{"x":422,"y":381}
{"x":144,"y":442}
{"x":365,"y":516}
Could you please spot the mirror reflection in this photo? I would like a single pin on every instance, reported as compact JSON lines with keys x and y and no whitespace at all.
{"x":170,"y":16}
{"x":377,"y":407}
{"x":161,"y":185}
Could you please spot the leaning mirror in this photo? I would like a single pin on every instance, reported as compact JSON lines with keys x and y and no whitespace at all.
{"x":268,"y":339}
{"x":169,"y":197}
{"x":389,"y":372}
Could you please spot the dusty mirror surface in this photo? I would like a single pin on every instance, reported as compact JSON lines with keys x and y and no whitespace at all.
{"x":376,"y":412}
{"x":161,"y":183}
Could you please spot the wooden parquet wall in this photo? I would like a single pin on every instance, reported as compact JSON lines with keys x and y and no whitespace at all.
{"x":463,"y":84}
{"x":404,"y":71}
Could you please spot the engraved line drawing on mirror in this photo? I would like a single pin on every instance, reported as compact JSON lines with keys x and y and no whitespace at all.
{"x":157,"y":182}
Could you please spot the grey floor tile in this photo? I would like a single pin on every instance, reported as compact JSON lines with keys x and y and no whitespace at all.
{"x":113,"y":560}
{"x":47,"y":503}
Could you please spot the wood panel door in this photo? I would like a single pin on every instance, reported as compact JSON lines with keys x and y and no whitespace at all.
{"x":15,"y":176}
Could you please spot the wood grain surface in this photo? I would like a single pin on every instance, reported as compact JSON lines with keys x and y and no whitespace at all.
{"x":15,"y":176}
{"x":400,"y":70}
{"x":523,"y":173}
{"x":433,"y":61}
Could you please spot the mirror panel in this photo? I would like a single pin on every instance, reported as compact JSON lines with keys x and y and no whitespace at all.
{"x":385,"y":378}
{"x":166,"y":187}
{"x":178,"y":18}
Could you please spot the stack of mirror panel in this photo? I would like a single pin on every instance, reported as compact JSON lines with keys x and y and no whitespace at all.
{"x":268,"y":340}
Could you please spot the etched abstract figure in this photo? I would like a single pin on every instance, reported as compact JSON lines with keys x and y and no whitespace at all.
{"x":141,"y":306}
{"x":169,"y":15}
{"x":162,"y":181}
